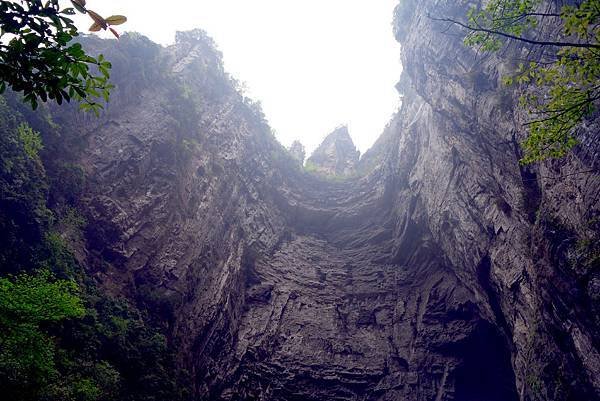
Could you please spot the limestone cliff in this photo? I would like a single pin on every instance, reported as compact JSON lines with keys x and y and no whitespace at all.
{"x":446,"y":271}
{"x":336,"y":156}
{"x":298,"y":152}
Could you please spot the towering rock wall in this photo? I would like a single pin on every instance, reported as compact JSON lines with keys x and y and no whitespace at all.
{"x":511,"y":233}
{"x":446,"y":271}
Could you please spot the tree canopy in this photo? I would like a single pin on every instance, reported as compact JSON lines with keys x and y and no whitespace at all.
{"x":39,"y":57}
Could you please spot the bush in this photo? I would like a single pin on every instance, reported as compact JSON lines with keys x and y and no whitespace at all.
{"x":27,"y":351}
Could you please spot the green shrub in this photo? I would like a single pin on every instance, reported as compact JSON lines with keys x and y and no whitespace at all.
{"x":27,"y":352}
{"x":31,"y":140}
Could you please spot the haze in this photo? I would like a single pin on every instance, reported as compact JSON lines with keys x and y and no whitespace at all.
{"x":313,"y":64}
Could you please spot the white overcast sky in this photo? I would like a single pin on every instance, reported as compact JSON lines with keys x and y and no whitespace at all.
{"x":313,"y":64}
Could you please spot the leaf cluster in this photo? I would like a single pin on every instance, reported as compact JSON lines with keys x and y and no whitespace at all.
{"x":39,"y":58}
{"x":26,"y":303}
{"x":23,"y":192}
{"x":513,"y":17}
{"x":31,"y":140}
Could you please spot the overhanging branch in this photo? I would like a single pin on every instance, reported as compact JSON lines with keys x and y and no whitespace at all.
{"x":513,"y":37}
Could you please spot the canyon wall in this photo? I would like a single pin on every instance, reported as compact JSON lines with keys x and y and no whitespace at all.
{"x":435,"y":268}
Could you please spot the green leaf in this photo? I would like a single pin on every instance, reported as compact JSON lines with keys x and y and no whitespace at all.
{"x":68,"y":11}
{"x":63,"y":38}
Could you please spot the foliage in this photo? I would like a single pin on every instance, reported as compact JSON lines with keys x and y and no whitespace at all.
{"x":562,"y":78}
{"x":135,"y":357}
{"x":511,"y":17}
{"x":67,"y":182}
{"x":39,"y":58}
{"x":310,"y":167}
{"x":24,"y":216}
{"x":26,"y":350}
{"x":36,"y":298}
{"x":109,"y":352}
{"x":31,"y":140}
{"x":71,"y":222}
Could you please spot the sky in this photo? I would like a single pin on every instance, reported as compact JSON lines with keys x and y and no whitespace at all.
{"x":313,"y":64}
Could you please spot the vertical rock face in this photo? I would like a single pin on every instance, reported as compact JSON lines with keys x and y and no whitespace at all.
{"x":508,"y":231}
{"x":447,"y":271}
{"x":336,"y":156}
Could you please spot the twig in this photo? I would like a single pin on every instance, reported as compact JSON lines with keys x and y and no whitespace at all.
{"x":509,"y":36}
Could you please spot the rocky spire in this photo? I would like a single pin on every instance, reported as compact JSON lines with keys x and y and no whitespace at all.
{"x":336,"y":155}
{"x":297,"y":151}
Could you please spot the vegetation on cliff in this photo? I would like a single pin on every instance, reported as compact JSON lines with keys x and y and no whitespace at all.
{"x":381,"y":252}
{"x":26,"y":303}
{"x":63,"y":338}
{"x":560,"y":76}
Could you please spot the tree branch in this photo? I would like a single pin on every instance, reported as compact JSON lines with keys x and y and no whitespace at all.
{"x":509,"y":36}
{"x":560,"y":113}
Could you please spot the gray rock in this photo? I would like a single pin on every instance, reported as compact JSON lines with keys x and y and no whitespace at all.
{"x":445,"y":271}
{"x":336,"y":156}
{"x":297,"y":151}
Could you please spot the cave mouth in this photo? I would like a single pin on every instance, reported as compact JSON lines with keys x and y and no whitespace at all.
{"x":486,"y":373}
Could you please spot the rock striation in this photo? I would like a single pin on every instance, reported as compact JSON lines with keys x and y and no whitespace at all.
{"x":336,"y":156}
{"x":445,"y":271}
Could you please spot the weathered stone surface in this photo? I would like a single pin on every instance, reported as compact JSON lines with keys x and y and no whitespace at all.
{"x":297,"y":151}
{"x":446,"y":271}
{"x":336,"y":156}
